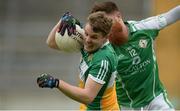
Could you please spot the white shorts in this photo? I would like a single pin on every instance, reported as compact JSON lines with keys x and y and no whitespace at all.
{"x":159,"y":103}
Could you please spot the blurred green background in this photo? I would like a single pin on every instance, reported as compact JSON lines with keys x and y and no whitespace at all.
{"x":24,"y":26}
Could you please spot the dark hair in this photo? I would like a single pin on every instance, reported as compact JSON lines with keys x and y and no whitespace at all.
{"x":100,"y":23}
{"x":107,"y":7}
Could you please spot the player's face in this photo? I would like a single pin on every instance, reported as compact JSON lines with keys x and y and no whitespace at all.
{"x":92,"y":41}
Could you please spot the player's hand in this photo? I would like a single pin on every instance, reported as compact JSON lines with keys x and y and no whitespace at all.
{"x":47,"y":81}
{"x":68,"y":22}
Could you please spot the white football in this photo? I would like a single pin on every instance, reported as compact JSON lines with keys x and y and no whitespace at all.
{"x":71,"y":43}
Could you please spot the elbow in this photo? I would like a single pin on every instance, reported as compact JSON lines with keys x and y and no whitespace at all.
{"x":89,"y":100}
{"x":51,"y":44}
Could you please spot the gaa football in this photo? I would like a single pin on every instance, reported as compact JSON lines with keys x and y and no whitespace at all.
{"x":71,"y":43}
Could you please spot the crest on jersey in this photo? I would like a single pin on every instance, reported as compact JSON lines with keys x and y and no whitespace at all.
{"x":143,"y":43}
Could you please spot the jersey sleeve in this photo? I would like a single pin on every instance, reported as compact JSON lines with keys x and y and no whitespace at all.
{"x":158,"y":22}
{"x":172,"y":15}
{"x":100,"y":71}
{"x":152,"y":23}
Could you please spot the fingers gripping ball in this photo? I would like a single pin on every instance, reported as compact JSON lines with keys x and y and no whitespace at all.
{"x":68,"y":22}
{"x":117,"y":36}
{"x":70,"y":43}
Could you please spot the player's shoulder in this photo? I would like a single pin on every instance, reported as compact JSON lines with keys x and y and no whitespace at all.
{"x":105,"y":50}
{"x":142,"y":26}
{"x":135,"y":26}
{"x":105,"y":53}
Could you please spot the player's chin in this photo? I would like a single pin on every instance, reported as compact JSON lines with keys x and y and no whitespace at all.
{"x":88,"y":49}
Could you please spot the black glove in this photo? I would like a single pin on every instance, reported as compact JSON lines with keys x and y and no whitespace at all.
{"x":68,"y":22}
{"x":47,"y":81}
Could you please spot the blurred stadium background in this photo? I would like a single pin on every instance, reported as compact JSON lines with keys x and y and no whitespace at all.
{"x":24,"y":26}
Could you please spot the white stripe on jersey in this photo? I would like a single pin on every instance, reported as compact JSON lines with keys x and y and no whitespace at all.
{"x":103,"y":70}
{"x":102,"y":63}
{"x":106,"y":70}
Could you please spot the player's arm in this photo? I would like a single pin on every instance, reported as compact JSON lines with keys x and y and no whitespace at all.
{"x":160,"y":21}
{"x":84,"y":95}
{"x":51,"y":37}
{"x":173,"y":15}
{"x":67,"y":22}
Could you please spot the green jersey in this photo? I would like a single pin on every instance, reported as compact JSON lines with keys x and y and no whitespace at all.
{"x":101,"y":67}
{"x":138,"y":80}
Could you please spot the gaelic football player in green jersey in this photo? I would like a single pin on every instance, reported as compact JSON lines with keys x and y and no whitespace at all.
{"x":97,"y":67}
{"x":138,"y":85}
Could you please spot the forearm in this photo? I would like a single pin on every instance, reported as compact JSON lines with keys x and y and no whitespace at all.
{"x":76,"y":93}
{"x":83,"y":95}
{"x":51,"y":37}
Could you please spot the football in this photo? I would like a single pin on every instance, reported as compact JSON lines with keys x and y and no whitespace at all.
{"x":71,"y":43}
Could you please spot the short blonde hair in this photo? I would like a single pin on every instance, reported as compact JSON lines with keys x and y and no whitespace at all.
{"x":100,"y":23}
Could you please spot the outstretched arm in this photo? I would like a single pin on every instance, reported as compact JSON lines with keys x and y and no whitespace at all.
{"x":160,"y":21}
{"x":173,"y":15}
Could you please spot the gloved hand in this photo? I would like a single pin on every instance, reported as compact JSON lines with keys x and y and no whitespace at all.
{"x":68,"y":22}
{"x":47,"y":81}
